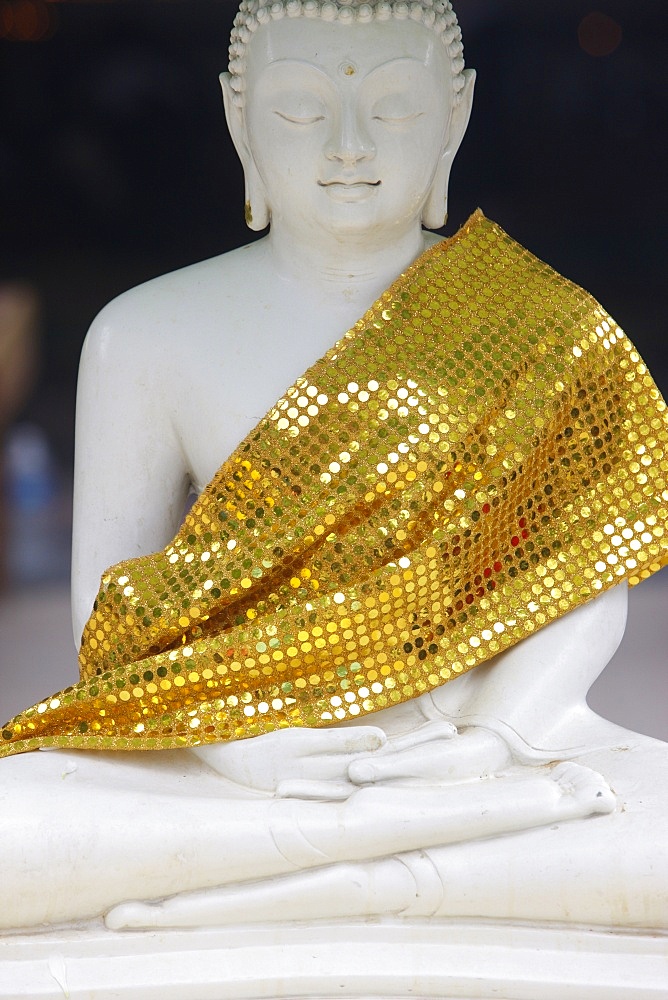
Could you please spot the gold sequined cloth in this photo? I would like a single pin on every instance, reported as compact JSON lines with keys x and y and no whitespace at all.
{"x":483,"y":452}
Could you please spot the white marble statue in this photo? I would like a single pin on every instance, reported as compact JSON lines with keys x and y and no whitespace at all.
{"x":499,"y":796}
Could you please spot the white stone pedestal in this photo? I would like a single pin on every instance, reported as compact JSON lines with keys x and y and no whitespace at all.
{"x":361,"y":960}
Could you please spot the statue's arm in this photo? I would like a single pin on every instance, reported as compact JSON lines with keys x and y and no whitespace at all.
{"x":538,"y":688}
{"x":130,"y":480}
{"x":526,"y":704}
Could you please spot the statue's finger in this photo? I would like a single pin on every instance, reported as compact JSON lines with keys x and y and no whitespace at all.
{"x":362,"y":739}
{"x":437,"y":730}
{"x":409,"y":763}
{"x":327,"y":791}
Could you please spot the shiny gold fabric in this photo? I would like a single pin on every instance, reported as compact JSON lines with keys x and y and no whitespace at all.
{"x":481,"y":453}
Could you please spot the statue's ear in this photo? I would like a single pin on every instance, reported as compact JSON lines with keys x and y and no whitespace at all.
{"x":435,"y":211}
{"x":257,"y":210}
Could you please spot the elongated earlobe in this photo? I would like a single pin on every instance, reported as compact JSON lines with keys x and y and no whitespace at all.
{"x":435,"y":211}
{"x":256,"y":210}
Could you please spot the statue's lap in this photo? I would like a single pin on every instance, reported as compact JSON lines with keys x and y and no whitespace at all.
{"x":165,"y":824}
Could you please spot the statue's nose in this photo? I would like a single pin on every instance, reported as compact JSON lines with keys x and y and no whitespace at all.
{"x":350,"y":142}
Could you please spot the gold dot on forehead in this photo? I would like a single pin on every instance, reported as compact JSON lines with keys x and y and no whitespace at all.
{"x":348,"y":69}
{"x":484,"y":451}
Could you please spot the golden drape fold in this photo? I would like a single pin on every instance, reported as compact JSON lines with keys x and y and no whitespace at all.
{"x":481,"y":453}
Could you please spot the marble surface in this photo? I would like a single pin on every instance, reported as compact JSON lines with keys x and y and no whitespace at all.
{"x":358,"y":961}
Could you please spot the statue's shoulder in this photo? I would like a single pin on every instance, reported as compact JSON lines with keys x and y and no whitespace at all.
{"x":175,"y":305}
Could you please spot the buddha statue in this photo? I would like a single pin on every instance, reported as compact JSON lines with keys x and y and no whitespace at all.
{"x":353,"y":682}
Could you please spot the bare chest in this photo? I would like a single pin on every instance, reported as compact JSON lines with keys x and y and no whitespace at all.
{"x":233,"y":372}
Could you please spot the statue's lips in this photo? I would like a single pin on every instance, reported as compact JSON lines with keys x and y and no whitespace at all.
{"x":349,"y":190}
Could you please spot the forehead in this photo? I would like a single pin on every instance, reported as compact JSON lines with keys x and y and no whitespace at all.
{"x":346,"y":53}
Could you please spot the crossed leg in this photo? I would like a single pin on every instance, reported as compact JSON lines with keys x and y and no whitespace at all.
{"x":390,"y":824}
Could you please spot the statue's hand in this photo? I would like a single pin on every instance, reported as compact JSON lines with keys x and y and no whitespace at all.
{"x":329,"y":764}
{"x":395,"y":752}
{"x":426,"y":757}
{"x":309,"y":763}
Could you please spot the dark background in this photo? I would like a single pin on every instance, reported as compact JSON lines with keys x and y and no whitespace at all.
{"x":115,"y":164}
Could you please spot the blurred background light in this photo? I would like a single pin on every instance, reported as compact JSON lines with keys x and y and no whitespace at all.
{"x":599,"y":34}
{"x":27,"y":20}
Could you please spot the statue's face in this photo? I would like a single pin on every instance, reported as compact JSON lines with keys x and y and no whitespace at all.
{"x":346,"y":124}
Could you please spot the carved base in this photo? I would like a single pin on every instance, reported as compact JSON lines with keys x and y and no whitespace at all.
{"x":388,"y":960}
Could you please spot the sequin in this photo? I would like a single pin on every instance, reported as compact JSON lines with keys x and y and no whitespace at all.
{"x":481,"y":453}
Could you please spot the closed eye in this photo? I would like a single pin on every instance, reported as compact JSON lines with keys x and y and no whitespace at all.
{"x":298,"y":119}
{"x":398,"y":119}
